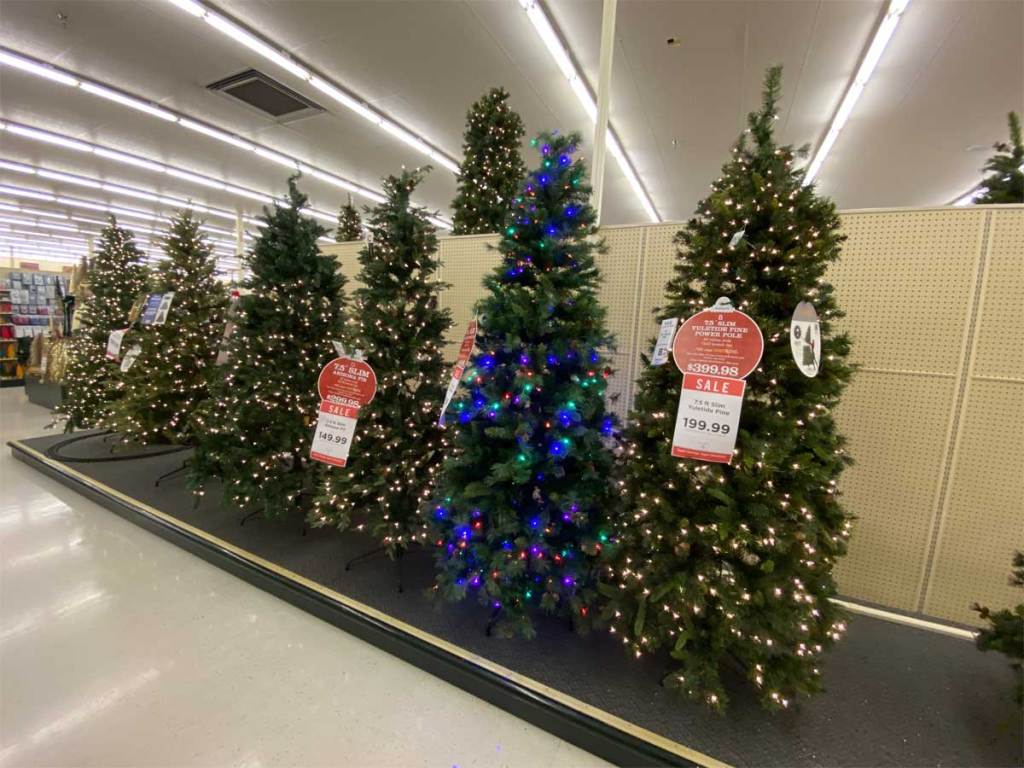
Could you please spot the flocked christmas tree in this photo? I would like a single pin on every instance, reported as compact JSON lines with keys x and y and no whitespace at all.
{"x":169,"y":377}
{"x":492,"y":169}
{"x":1005,"y":630}
{"x":1005,"y":182}
{"x":116,"y":278}
{"x":725,"y":563}
{"x":350,"y":226}
{"x":519,"y":520}
{"x":255,"y":431}
{"x":396,"y":323}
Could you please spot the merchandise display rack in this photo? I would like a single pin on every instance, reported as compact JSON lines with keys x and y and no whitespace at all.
{"x":8,"y":346}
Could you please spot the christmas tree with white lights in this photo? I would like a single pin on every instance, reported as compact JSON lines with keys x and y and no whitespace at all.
{"x":1005,"y":180}
{"x":519,"y":518}
{"x":169,"y":377}
{"x":492,"y":168}
{"x":350,"y":226}
{"x":116,"y":278}
{"x":255,"y":431}
{"x":396,"y":323}
{"x":725,"y":565}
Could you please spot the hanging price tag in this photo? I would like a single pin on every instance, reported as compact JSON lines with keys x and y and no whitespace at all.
{"x":335,"y":428}
{"x":708,"y":418}
{"x":664,"y":342}
{"x":345,"y":385}
{"x":720,"y":341}
{"x":468,"y":342}
{"x":129,"y":358}
{"x":114,"y":342}
{"x":805,"y":339}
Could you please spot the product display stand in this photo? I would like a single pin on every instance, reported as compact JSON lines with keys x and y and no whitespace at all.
{"x":894,"y":694}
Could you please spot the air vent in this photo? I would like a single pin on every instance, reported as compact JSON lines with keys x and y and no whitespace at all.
{"x":264,"y":93}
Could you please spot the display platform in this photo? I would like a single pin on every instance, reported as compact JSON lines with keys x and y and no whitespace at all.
{"x":896,"y":695}
{"x":45,"y":393}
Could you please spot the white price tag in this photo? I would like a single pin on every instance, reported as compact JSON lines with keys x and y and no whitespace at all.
{"x":335,"y":429}
{"x":129,"y":358}
{"x":805,"y":339}
{"x":737,"y":236}
{"x":664,"y":343}
{"x":708,"y":418}
{"x":114,"y":343}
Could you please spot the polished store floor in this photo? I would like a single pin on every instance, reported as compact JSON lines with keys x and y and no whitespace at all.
{"x":119,"y":649}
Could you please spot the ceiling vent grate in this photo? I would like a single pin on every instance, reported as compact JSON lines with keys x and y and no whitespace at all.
{"x":266,"y":94}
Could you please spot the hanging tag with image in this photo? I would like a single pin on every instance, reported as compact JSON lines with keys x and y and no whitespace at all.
{"x":661,"y":347}
{"x":129,"y":358}
{"x":114,"y":342}
{"x":805,"y":339}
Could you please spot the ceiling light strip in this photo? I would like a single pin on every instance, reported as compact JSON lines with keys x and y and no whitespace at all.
{"x":301,"y":70}
{"x":545,"y":29}
{"x":893,"y":14}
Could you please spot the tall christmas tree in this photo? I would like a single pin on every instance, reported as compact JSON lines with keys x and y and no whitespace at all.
{"x":519,"y":518}
{"x":398,"y":445}
{"x":116,"y":278}
{"x":350,"y":227}
{"x":725,"y":563}
{"x":169,"y":377}
{"x":255,"y":431}
{"x":492,"y":169}
{"x":1005,"y":182}
{"x":1005,"y":630}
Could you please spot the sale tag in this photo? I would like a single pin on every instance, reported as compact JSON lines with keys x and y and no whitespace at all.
{"x":661,"y":347}
{"x":708,"y":418}
{"x":346,"y":381}
{"x":805,"y":339}
{"x":720,"y":341}
{"x":335,"y":428}
{"x":468,"y":342}
{"x":114,"y":343}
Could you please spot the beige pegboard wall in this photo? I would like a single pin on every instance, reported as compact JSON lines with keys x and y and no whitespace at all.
{"x":465,"y":261}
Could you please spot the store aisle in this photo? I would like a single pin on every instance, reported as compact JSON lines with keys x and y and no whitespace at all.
{"x":117,"y":648}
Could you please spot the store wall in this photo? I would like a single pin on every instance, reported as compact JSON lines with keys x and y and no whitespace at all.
{"x":934,"y":415}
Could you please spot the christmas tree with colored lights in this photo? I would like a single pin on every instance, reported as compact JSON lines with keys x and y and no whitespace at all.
{"x":116,"y":278}
{"x":719,"y":564}
{"x":519,"y":518}
{"x":1005,"y":182}
{"x":398,"y":445}
{"x":350,"y":226}
{"x":1005,"y":630}
{"x":254,"y":432}
{"x":492,"y":169}
{"x":169,"y":377}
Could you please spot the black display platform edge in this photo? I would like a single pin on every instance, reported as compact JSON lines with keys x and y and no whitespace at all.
{"x":594,"y":730}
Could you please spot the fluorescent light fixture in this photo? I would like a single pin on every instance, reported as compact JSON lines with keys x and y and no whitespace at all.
{"x":216,"y":133}
{"x":187,"y":5}
{"x":69,"y":179}
{"x":49,"y":138}
{"x":123,"y":157}
{"x":17,"y":167}
{"x":407,"y":137}
{"x":277,"y":157}
{"x":252,"y":42}
{"x":563,"y":60}
{"x":12,"y":59}
{"x":195,"y":178}
{"x":349,"y":102}
{"x":128,"y":101}
{"x":872,"y":56}
{"x":31,"y":194}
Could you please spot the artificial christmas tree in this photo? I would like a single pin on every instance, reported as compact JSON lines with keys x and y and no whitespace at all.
{"x":396,"y":323}
{"x":170,"y":375}
{"x":492,"y":169}
{"x":116,"y":278}
{"x":1005,"y":632}
{"x":254,"y":432}
{"x":519,"y":516}
{"x":1005,"y":182}
{"x":350,"y":227}
{"x":720,"y":563}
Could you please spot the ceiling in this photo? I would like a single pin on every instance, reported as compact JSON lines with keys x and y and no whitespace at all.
{"x":951,"y":72}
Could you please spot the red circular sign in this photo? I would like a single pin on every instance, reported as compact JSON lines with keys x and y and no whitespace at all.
{"x":347,"y":382}
{"x":718,"y":342}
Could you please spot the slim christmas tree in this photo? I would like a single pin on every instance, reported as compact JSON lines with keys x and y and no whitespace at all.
{"x":255,"y":431}
{"x":1005,"y":182}
{"x":1005,"y":630}
{"x":519,"y":518}
{"x":350,"y":227}
{"x":725,"y":563}
{"x":492,"y":169}
{"x":170,"y":376}
{"x":116,"y":278}
{"x":398,"y":445}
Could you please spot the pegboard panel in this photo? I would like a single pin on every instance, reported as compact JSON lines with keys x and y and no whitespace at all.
{"x":659,"y":260}
{"x":895,"y":425}
{"x":464,"y":263}
{"x":619,"y":386}
{"x":999,"y":351}
{"x":347,"y":255}
{"x":620,"y":266}
{"x":983,"y":522}
{"x":905,"y":280}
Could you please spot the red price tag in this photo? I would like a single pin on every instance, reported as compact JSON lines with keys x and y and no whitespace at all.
{"x":345,"y":381}
{"x":718,"y":342}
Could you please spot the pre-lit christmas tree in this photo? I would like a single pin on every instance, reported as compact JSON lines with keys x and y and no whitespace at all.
{"x":492,"y":169}
{"x":520,"y":513}
{"x":726,"y":563}
{"x":116,"y":278}
{"x":1005,"y":182}
{"x":398,"y":445}
{"x":170,"y":375}
{"x":255,"y":431}
{"x":350,"y":226}
{"x":1005,"y":630}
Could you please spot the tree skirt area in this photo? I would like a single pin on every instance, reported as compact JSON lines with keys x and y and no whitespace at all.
{"x":895,"y":695}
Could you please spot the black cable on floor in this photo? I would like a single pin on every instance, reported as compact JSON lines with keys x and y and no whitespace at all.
{"x":53,"y":452}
